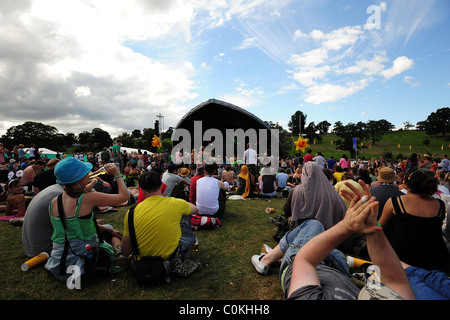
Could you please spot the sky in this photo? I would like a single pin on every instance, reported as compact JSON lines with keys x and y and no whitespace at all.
{"x":116,"y":65}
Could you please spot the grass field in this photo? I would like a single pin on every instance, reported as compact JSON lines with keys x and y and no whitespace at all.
{"x":228,"y":275}
{"x":395,"y":142}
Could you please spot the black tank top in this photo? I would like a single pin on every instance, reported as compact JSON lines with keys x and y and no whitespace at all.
{"x":418,"y":240}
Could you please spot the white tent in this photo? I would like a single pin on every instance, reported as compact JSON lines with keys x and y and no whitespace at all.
{"x":47,"y":151}
{"x":129,"y":150}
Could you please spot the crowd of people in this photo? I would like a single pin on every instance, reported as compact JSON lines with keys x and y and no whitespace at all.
{"x":397,"y":206}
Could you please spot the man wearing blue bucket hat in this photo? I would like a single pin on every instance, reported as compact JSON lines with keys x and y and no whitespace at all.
{"x":77,"y":206}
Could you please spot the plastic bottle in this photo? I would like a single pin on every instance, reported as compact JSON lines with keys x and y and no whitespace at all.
{"x":40,"y":258}
{"x":89,"y":251}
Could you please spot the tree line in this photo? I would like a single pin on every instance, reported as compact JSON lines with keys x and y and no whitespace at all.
{"x":437,"y":123}
{"x":46,"y":136}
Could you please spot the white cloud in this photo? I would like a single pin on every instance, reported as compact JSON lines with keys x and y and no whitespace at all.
{"x":342,"y":37}
{"x":317,"y":35}
{"x":400,"y":65}
{"x":367,"y":67}
{"x":327,"y":92}
{"x":310,"y":58}
{"x":288,"y":88}
{"x":410,"y":80}
{"x":298,"y":34}
{"x":247,"y":43}
{"x":83,"y":91}
{"x":54,"y":58}
{"x":307,"y":76}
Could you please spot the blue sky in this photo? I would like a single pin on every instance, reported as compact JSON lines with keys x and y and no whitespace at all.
{"x":79,"y":65}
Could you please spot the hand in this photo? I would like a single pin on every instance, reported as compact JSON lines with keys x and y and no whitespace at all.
{"x":349,"y":195}
{"x":361,"y":216}
{"x":117,"y":234}
{"x":111,"y":169}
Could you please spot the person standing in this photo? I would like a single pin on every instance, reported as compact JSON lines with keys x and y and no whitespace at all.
{"x":320,"y":160}
{"x":251,"y":160}
{"x":330,"y":163}
{"x":117,"y":155}
{"x":308,"y":157}
{"x":445,"y":164}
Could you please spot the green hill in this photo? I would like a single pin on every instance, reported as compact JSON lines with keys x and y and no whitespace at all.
{"x":402,"y":143}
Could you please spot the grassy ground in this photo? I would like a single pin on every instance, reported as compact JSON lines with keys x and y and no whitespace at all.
{"x":229,"y":274}
{"x":396,"y":142}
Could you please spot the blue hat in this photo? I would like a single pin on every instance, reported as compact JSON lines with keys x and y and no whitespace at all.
{"x":70,"y":170}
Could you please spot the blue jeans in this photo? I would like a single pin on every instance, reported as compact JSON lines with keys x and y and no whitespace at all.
{"x":294,"y":240}
{"x":187,"y":238}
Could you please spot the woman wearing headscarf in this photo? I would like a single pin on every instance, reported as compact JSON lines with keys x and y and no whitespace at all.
{"x":314,"y":198}
{"x":246,"y":184}
{"x":77,"y":206}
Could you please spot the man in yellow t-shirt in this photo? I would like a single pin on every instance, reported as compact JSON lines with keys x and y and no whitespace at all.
{"x":161,"y":223}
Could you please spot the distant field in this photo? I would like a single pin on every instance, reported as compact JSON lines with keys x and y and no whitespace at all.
{"x":397,"y":142}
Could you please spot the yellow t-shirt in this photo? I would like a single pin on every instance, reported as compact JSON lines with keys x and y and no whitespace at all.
{"x":338,"y":176}
{"x":157,"y":225}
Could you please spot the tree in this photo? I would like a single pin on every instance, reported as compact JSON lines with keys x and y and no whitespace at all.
{"x":31,"y":132}
{"x":295,"y":124}
{"x":323,"y":127}
{"x":437,"y":122}
{"x":311,"y":132}
{"x":83,"y":137}
{"x":407,"y":125}
{"x":347,"y":133}
{"x":376,"y":129}
{"x":99,"y":138}
{"x":136,"y":134}
{"x":126,"y":138}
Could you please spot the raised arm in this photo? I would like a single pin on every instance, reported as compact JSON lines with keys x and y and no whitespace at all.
{"x":318,"y":248}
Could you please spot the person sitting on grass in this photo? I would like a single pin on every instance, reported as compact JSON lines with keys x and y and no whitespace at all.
{"x":162,"y":230}
{"x":247,"y":186}
{"x":211,"y":196}
{"x":313,"y":269}
{"x":15,"y":201}
{"x":78,"y":205}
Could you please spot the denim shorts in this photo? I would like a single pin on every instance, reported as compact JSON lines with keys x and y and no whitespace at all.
{"x":294,"y":240}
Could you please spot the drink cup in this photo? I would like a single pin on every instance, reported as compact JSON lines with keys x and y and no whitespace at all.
{"x":270,"y":210}
{"x":355,"y":262}
{"x":40,"y":258}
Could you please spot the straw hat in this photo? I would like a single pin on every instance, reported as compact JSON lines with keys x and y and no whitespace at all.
{"x":52,"y":162}
{"x":387,"y":175}
{"x":184,"y":172}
